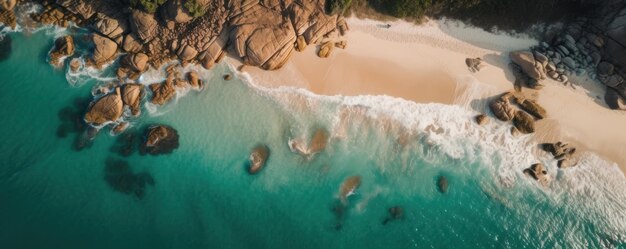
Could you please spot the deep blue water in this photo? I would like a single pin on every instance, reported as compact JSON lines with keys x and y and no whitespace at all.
{"x":52,"y":196}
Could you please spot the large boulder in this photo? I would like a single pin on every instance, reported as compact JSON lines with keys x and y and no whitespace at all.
{"x":524,"y":122}
{"x":173,"y":10}
{"x":63,"y":46}
{"x":111,"y":27}
{"x":104,"y":51}
{"x":84,"y":9}
{"x":106,"y":109}
{"x":132,"y":65}
{"x":502,"y":109}
{"x":258,"y":158}
{"x":131,"y":44}
{"x":163,"y":92}
{"x":159,"y":139}
{"x":131,"y":96}
{"x":529,"y":65}
{"x":538,"y":172}
{"x":143,"y":25}
{"x":7,"y":5}
{"x":531,"y":107}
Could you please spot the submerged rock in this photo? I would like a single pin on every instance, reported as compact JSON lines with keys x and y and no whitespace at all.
{"x":395,"y":213}
{"x":258,"y":158}
{"x":442,"y":184}
{"x":121,"y":178}
{"x":319,"y":141}
{"x":160,"y":139}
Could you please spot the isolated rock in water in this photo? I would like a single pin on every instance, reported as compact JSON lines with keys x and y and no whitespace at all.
{"x":481,"y":119}
{"x":258,"y":158}
{"x":348,"y":187}
{"x":194,"y":80}
{"x":106,"y":109}
{"x":5,"y":47}
{"x":526,"y":61}
{"x":131,"y":44}
{"x":442,"y":184}
{"x":319,"y":141}
{"x":120,"y":177}
{"x":104,"y":51}
{"x":132,"y":95}
{"x":502,"y":108}
{"x":160,"y":139}
{"x":63,"y":46}
{"x":325,"y":50}
{"x":119,"y":128}
{"x":395,"y":213}
{"x":531,"y":107}
{"x":539,"y":173}
{"x":524,"y":122}
{"x":611,"y":98}
{"x":7,"y":5}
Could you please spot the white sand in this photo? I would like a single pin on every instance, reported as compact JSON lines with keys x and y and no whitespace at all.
{"x":426,"y":63}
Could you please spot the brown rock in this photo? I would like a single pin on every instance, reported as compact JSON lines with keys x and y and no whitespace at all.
{"x":258,"y":158}
{"x":348,"y":187}
{"x":538,"y":172}
{"x":531,"y":107}
{"x":7,"y":5}
{"x":130,"y":44}
{"x":75,"y":64}
{"x":63,"y":46}
{"x":526,"y":61}
{"x":228,"y":77}
{"x":187,"y":53}
{"x":502,"y":108}
{"x":132,"y":65}
{"x":341,"y":44}
{"x":160,"y":139}
{"x":105,"y":50}
{"x":143,"y":25}
{"x":131,"y":96}
{"x":110,"y":27}
{"x":319,"y":141}
{"x":325,"y":50}
{"x":524,"y":122}
{"x":7,"y":17}
{"x":300,"y":43}
{"x":106,"y":109}
{"x":194,"y":80}
{"x":162,"y":92}
{"x":482,"y":119}
{"x":119,"y":128}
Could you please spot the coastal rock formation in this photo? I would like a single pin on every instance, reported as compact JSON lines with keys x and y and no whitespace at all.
{"x":531,"y":107}
{"x":7,"y":16}
{"x":162,"y":92}
{"x":131,"y":96}
{"x":105,"y":109}
{"x":502,"y":109}
{"x":258,"y":158}
{"x":539,"y":173}
{"x":104,"y":51}
{"x":63,"y":46}
{"x":325,"y":50}
{"x":7,"y":5}
{"x":75,"y":65}
{"x":559,"y":150}
{"x":395,"y":213}
{"x":132,"y":65}
{"x":523,"y":122}
{"x":160,"y":139}
{"x":526,"y":60}
{"x":442,"y":184}
{"x":482,"y":119}
{"x":194,"y":80}
{"x":119,"y":128}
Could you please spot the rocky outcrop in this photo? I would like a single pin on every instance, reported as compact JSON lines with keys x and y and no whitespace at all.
{"x":162,"y":92}
{"x":143,"y":25}
{"x":502,"y":109}
{"x":7,"y":17}
{"x":538,"y":172}
{"x":120,"y":128}
{"x":319,"y":141}
{"x":529,"y":65}
{"x":559,"y":150}
{"x":132,"y":66}
{"x":131,"y":96}
{"x":258,"y":158}
{"x":105,"y":50}
{"x":63,"y":47}
{"x":194,"y":80}
{"x":75,"y":65}
{"x":325,"y":50}
{"x":7,"y":5}
{"x":159,"y":139}
{"x":105,"y":109}
{"x":523,"y":122}
{"x":531,"y":107}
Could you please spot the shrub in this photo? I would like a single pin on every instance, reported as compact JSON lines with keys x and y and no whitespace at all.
{"x":195,"y":9}
{"x":149,"y":6}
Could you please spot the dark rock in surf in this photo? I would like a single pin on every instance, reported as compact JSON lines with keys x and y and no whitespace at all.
{"x":538,"y":172}
{"x":442,"y":184}
{"x":258,"y":159}
{"x":159,"y":139}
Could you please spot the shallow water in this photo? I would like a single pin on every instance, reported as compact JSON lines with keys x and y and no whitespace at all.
{"x":201,"y":196}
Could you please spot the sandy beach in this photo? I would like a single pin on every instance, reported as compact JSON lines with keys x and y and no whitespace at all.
{"x":426,"y":64}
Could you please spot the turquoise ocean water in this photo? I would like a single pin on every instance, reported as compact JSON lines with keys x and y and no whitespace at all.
{"x":52,"y":196}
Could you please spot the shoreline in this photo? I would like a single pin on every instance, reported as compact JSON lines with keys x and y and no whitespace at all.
{"x":425,"y":64}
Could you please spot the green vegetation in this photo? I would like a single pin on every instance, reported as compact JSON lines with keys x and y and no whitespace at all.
{"x":149,"y":6}
{"x":505,"y":14}
{"x":194,"y":8}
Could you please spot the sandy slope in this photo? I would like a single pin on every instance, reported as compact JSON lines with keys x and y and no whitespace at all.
{"x":426,"y":63}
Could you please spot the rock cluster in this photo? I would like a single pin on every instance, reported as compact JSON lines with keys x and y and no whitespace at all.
{"x":63,"y":47}
{"x":538,"y":172}
{"x":523,"y":116}
{"x":258,"y":33}
{"x":561,"y":152}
